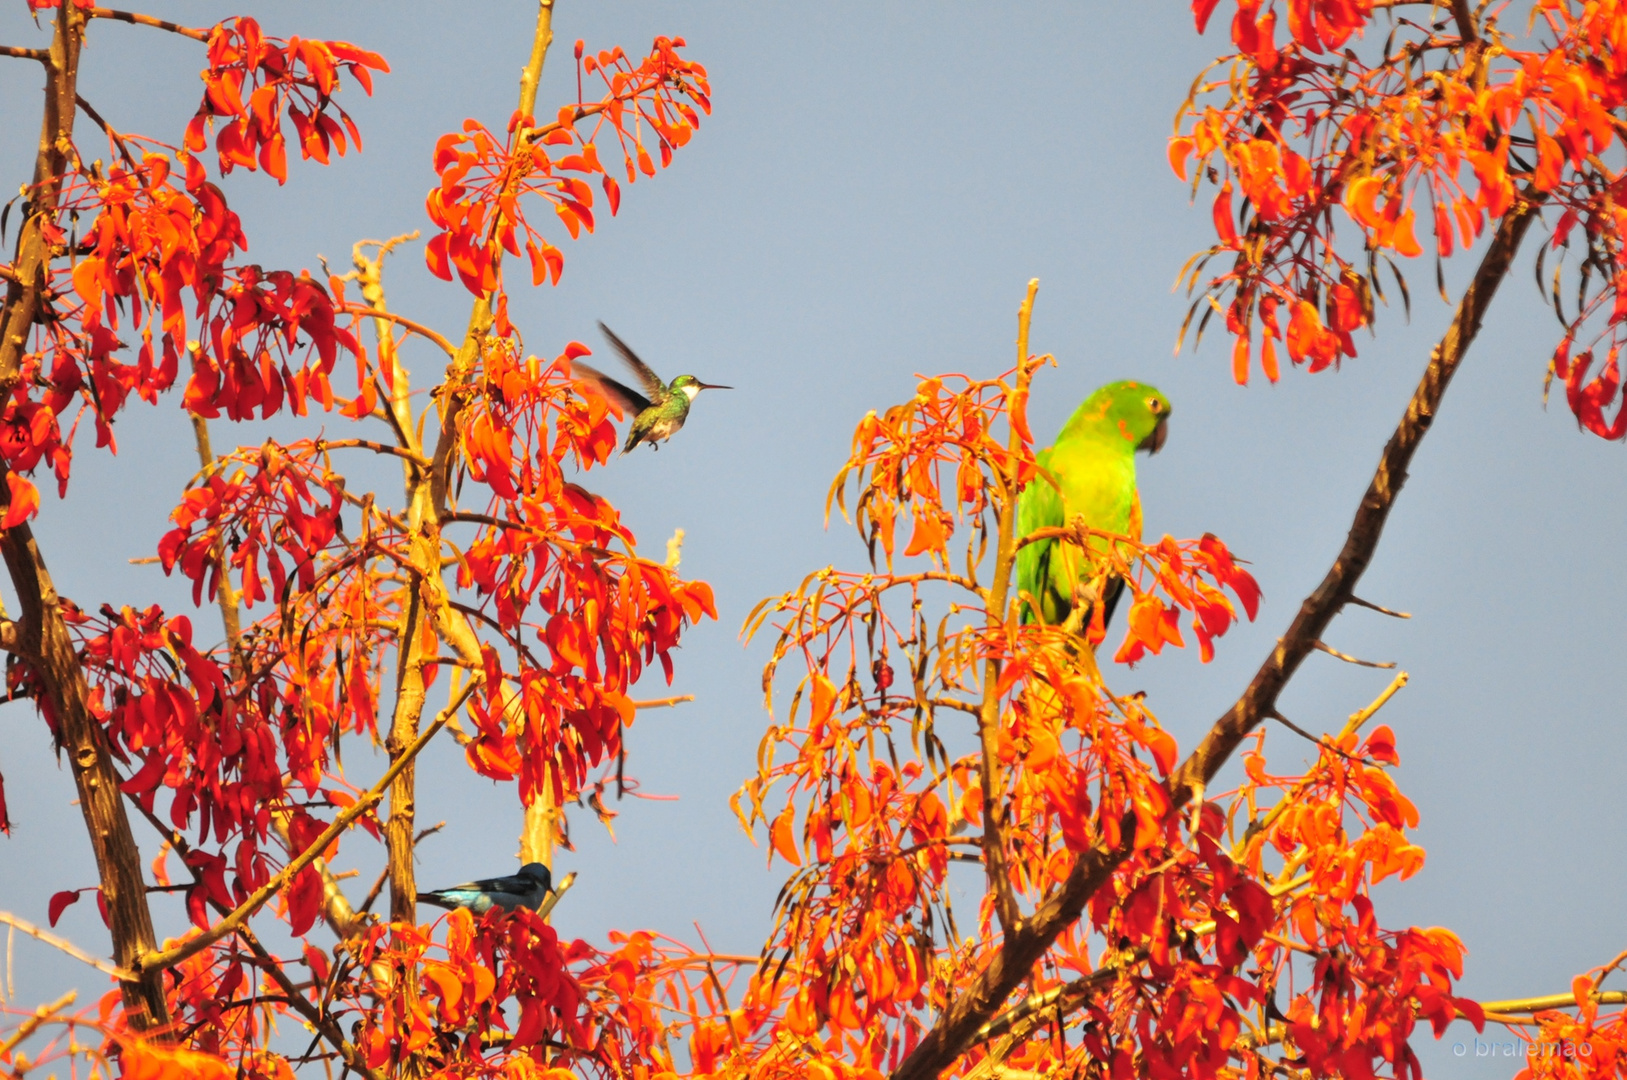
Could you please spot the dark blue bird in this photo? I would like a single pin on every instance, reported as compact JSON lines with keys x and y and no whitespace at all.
{"x":525,"y":889}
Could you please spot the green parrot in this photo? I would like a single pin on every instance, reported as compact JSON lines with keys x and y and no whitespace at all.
{"x":1093,"y":463}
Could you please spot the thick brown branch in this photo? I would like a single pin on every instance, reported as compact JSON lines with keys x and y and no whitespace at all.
{"x":1338,"y":587}
{"x":958,"y":1024}
{"x":26,"y":291}
{"x":1464,"y":17}
{"x":44,"y":634}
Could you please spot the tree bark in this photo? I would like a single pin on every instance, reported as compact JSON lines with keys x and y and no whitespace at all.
{"x":44,"y":636}
{"x":48,"y":646}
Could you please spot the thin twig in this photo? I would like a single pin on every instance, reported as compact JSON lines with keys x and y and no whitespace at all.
{"x":64,"y":945}
{"x":546,"y":908}
{"x":407,"y":324}
{"x":42,"y":1015}
{"x":42,"y":55}
{"x":717,"y":988}
{"x":148,"y":20}
{"x":1357,"y":719}
{"x":376,"y":447}
{"x":1359,"y":602}
{"x":373,"y":893}
{"x":117,"y":139}
{"x":1347,"y":658}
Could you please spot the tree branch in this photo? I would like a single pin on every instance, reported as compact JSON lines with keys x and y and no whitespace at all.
{"x":957,"y":1025}
{"x":417,"y":328}
{"x":376,"y":447}
{"x":42,"y":1015}
{"x":1553,"y":1001}
{"x":44,"y":634}
{"x":148,"y":20}
{"x":107,"y":129}
{"x":318,"y":1019}
{"x":531,"y":77}
{"x":42,"y":55}
{"x":1338,"y":586}
{"x":988,"y":721}
{"x":155,"y":961}
{"x":62,"y":944}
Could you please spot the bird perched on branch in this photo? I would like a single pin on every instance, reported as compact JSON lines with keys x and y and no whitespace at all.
{"x":656,"y":417}
{"x":526,"y":889}
{"x":1094,"y":469}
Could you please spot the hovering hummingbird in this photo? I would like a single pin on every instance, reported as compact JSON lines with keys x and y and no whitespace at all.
{"x":525,"y":889}
{"x":656,"y":417}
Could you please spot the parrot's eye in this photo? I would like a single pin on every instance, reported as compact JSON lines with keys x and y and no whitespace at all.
{"x":1154,"y":406}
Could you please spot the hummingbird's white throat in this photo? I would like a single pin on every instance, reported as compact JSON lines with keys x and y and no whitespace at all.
{"x":691,"y":391}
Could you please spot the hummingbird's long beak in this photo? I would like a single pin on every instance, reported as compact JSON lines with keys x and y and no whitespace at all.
{"x":711,"y":386}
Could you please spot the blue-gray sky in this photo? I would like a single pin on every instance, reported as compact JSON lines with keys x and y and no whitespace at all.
{"x":874,"y":188}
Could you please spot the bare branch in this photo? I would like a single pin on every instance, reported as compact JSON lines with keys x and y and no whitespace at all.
{"x":1347,"y":658}
{"x":1357,"y":719}
{"x":547,"y":906}
{"x":147,"y":20}
{"x":376,"y":447}
{"x":117,"y":139}
{"x":64,"y":945}
{"x":1359,"y":602}
{"x":42,"y":55}
{"x":417,"y":328}
{"x":1337,"y":587}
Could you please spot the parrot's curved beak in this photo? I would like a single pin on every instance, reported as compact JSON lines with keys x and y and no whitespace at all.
{"x":1155,"y":442}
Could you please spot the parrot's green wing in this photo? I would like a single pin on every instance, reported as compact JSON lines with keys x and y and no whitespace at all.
{"x":1039,"y":507}
{"x":1093,"y":465}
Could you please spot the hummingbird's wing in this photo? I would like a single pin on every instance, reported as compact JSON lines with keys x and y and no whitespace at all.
{"x":630,"y":402}
{"x":652,"y":382}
